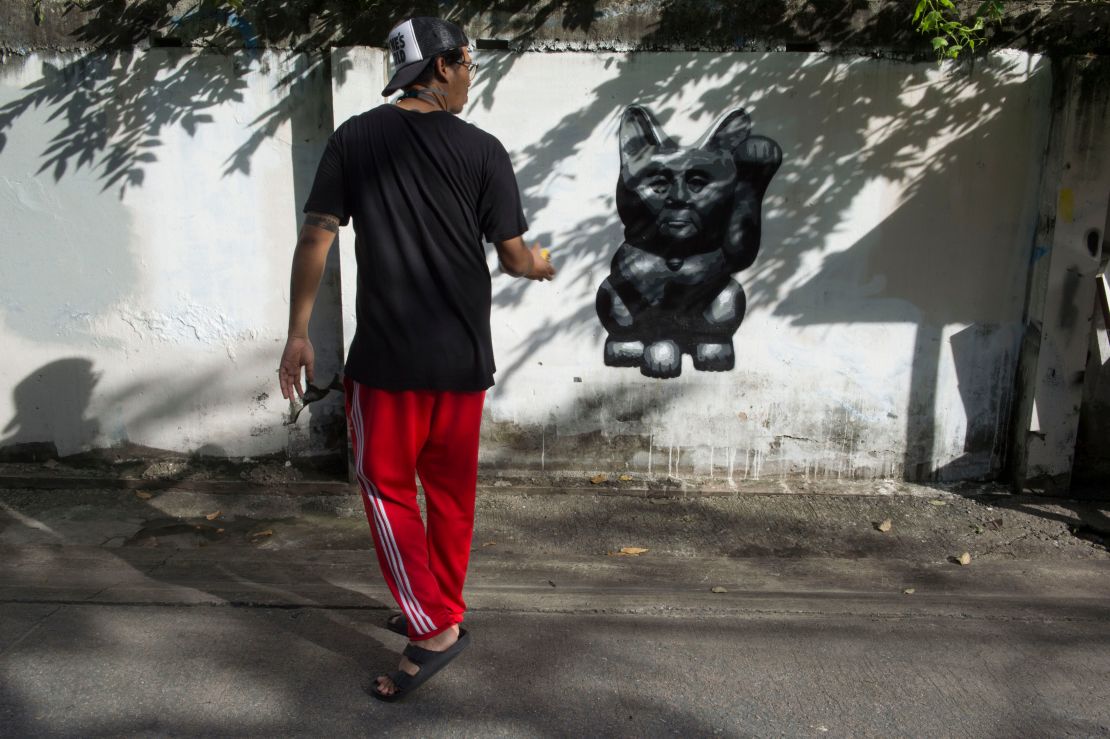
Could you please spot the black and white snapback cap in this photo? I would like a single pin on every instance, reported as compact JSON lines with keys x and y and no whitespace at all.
{"x":413,"y":43}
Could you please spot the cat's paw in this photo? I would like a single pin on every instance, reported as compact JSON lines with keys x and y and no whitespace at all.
{"x":760,"y":150}
{"x":623,"y":353}
{"x":714,"y":357}
{"x":662,"y":360}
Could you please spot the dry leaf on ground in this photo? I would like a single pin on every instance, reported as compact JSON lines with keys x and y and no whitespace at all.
{"x":937,"y":502}
{"x":598,"y":479}
{"x":625,"y":478}
{"x":261,"y":534}
{"x":718,"y":589}
{"x":488,"y":543}
{"x":633,"y":551}
{"x":213,"y":515}
{"x":885,"y":525}
{"x":143,"y":495}
{"x":910,"y":591}
{"x":964,"y":559}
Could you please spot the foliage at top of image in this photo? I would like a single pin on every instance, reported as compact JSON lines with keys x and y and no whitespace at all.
{"x":951,"y":36}
{"x":1067,"y":26}
{"x":939,"y":21}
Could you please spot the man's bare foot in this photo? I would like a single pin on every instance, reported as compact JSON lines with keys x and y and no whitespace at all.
{"x":441,"y":642}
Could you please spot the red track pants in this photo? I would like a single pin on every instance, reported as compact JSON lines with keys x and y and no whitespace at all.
{"x":395,"y":436}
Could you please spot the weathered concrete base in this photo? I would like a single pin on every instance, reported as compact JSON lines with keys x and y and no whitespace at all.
{"x":927,"y":525}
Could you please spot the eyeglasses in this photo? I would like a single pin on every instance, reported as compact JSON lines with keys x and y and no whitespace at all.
{"x":471,"y":67}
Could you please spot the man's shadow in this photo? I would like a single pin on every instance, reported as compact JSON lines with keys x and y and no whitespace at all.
{"x":50,"y":407}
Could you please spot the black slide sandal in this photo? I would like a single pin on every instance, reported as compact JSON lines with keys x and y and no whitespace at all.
{"x":429,"y":663}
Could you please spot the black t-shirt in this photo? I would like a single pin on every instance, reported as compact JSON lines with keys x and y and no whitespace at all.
{"x":422,"y":188}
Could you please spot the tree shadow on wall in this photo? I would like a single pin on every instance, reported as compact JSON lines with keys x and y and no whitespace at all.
{"x":109,"y":112}
{"x":118,"y":101}
{"x":114,"y":126}
{"x":931,"y":129}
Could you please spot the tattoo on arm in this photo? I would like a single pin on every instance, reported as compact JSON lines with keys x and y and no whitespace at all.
{"x":322,"y":220}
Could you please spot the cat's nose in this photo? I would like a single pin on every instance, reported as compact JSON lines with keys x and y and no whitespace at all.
{"x":679,"y":193}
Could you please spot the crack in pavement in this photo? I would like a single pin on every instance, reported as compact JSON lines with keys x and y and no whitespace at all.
{"x":34,"y":627}
{"x":644,"y":611}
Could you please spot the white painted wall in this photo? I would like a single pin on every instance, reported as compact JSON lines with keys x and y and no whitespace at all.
{"x":150,"y":309}
{"x":902,"y":218}
{"x":885,"y":304}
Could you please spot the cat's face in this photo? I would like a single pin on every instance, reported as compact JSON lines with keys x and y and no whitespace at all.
{"x":687,"y":193}
{"x":676,"y":200}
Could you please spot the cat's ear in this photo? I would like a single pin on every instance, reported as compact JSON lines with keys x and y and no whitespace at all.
{"x":729,"y":132}
{"x":639,"y":130}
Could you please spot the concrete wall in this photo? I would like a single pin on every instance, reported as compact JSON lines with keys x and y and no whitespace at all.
{"x":150,"y":204}
{"x":884,"y":308}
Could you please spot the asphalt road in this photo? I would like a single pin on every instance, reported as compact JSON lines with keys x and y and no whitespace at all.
{"x":106,"y":630}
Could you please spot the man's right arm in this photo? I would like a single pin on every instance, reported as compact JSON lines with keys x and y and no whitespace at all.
{"x":309,"y":258}
{"x":518,"y":260}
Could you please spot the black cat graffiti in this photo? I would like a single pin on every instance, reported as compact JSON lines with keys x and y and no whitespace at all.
{"x":691,"y":219}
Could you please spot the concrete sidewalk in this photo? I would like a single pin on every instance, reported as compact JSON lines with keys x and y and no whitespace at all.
{"x":121,"y":614}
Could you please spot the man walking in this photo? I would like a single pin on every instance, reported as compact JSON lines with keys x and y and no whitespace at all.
{"x":423,"y":188}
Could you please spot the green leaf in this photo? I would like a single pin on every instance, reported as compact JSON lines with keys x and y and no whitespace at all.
{"x":948,"y":4}
{"x":939,"y":43}
{"x":919,"y":10}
